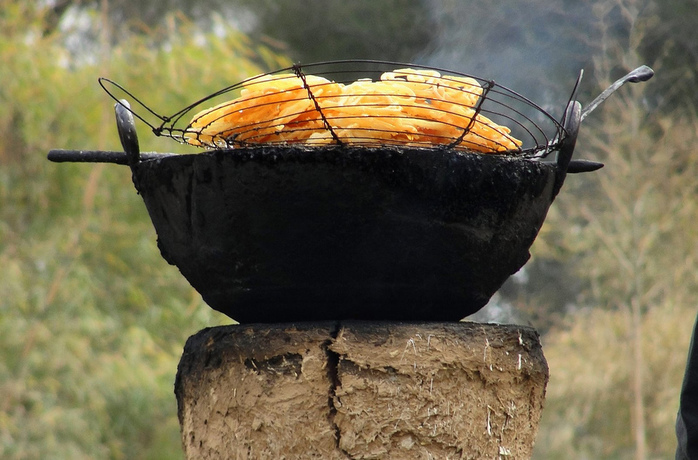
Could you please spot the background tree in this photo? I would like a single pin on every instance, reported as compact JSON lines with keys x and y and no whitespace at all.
{"x":92,"y":321}
{"x":630,"y":229}
{"x":321,"y":30}
{"x":616,"y":255}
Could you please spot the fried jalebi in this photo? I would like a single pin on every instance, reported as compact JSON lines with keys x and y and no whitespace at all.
{"x":406,"y":107}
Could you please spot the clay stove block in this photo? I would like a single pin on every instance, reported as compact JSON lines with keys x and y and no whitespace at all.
{"x":361,"y":390}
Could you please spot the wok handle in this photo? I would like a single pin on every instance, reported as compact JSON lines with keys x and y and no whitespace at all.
{"x":100,"y":156}
{"x":131,"y":155}
{"x":127,"y":131}
{"x":573,"y":119}
{"x":574,"y":115}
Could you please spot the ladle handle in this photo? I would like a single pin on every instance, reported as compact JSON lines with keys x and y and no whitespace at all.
{"x":642,"y":73}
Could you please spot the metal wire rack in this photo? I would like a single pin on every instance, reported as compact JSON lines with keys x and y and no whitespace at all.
{"x":372,"y":104}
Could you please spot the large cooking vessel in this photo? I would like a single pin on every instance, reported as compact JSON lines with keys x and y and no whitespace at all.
{"x":286,"y":233}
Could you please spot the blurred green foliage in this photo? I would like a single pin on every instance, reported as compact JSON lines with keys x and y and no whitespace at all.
{"x":617,"y":357}
{"x":629,"y":231}
{"x":93,"y":320}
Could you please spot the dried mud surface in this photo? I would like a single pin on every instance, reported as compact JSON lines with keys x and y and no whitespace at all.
{"x":361,"y":390}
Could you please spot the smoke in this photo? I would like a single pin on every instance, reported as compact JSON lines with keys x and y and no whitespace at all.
{"x":534,"y":47}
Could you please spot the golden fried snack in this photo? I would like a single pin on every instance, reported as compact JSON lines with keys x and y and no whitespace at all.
{"x":418,"y":108}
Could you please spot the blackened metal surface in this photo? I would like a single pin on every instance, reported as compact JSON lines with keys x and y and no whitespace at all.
{"x":287,"y":234}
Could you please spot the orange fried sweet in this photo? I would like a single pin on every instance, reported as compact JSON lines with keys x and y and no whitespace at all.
{"x":406,"y":107}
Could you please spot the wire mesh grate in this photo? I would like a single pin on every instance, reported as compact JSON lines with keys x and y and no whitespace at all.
{"x":360,"y":103}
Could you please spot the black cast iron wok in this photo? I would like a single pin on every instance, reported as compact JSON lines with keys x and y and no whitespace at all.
{"x":290,"y":234}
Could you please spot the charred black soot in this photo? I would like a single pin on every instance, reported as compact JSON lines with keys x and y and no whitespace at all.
{"x":292,"y":234}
